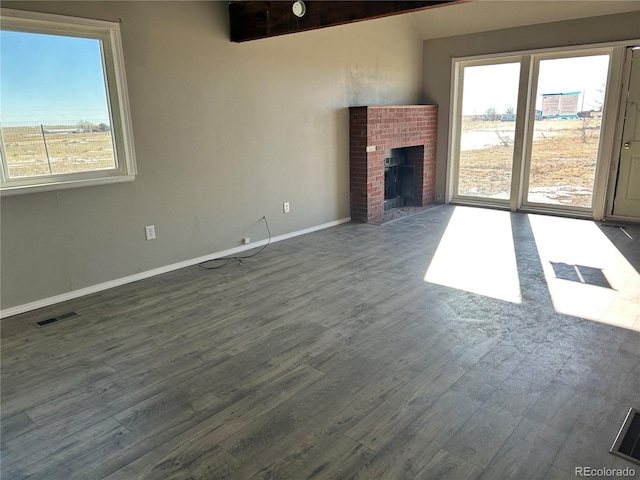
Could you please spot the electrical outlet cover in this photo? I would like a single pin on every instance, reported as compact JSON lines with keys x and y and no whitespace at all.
{"x":150,"y":232}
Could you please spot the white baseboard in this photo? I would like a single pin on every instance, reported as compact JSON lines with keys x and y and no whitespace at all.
{"x":45,"y":302}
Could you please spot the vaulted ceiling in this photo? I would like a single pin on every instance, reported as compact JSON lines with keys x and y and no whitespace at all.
{"x":484,"y":15}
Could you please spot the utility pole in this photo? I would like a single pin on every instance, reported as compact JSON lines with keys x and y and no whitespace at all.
{"x":46,"y":150}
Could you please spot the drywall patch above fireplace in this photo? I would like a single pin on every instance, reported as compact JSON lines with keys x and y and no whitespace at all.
{"x":376,"y":130}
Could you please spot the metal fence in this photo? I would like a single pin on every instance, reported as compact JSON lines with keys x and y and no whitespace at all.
{"x":57,"y":147}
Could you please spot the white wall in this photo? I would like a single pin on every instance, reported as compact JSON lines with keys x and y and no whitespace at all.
{"x":224,"y":134}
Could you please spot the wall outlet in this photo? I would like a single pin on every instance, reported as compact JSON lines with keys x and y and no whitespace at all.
{"x":246,"y":240}
{"x":150,"y":232}
{"x":285,"y":207}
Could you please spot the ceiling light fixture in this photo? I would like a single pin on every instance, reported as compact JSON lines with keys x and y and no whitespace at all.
{"x":299,"y":8}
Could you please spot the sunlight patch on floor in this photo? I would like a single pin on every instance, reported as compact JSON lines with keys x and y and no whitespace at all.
{"x":586,"y":275}
{"x":476,"y":254}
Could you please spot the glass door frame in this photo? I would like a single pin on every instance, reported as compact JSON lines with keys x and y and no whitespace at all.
{"x":525,"y":117}
{"x":455,"y":134}
{"x":523,"y":201}
{"x":618,"y":136}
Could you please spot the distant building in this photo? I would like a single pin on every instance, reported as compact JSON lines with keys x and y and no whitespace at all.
{"x":560,"y":105}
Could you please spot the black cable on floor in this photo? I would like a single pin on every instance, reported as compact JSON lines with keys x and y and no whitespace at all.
{"x":237,"y":257}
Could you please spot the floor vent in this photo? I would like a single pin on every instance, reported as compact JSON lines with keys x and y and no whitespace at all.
{"x":627,"y":443}
{"x":59,"y":318}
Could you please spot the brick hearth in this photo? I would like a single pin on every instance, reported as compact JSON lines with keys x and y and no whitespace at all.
{"x":376,"y":129}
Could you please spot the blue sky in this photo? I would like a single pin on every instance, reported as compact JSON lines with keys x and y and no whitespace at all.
{"x":46,"y":78}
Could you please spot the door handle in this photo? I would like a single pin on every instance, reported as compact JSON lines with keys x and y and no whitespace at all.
{"x":627,"y":145}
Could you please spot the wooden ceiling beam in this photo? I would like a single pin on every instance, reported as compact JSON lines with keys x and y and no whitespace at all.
{"x":252,"y":20}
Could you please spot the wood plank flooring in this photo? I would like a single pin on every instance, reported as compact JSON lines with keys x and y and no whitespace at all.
{"x":328,"y":356}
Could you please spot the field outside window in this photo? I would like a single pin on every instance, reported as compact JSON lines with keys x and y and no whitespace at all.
{"x":488,"y":130}
{"x":566,"y":132}
{"x":64,"y":116}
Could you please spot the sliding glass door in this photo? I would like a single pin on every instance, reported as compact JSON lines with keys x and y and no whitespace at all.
{"x":486,"y":126}
{"x":569,"y":96}
{"x":526,"y":129}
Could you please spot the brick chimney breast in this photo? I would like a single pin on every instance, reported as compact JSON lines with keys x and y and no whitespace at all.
{"x":374,"y":130}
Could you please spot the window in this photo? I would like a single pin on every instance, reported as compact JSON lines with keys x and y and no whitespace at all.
{"x":64,"y":116}
{"x":526,"y":129}
{"x":487,"y":128}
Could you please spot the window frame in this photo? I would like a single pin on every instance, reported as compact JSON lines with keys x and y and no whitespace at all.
{"x":605,"y":175}
{"x":613,"y":52}
{"x":117,"y":98}
{"x":455,"y":135}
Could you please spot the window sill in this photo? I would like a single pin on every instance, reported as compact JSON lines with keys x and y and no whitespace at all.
{"x":8,"y":190}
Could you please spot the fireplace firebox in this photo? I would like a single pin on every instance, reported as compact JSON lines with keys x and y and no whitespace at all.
{"x":398,"y":179}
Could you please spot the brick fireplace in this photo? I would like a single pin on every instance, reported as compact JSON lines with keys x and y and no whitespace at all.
{"x":399,"y":136}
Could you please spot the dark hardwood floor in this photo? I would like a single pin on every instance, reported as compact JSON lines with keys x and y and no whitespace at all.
{"x":330,"y":356}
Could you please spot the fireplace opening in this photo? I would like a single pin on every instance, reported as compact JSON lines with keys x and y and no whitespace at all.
{"x":399,"y":179}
